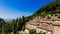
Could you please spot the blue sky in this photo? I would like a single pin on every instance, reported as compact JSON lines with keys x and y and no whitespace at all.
{"x":18,"y":8}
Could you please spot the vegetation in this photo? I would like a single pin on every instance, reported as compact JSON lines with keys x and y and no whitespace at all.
{"x":48,"y":17}
{"x":59,"y":16}
{"x":51,"y":8}
{"x":19,"y":24}
{"x":14,"y":26}
{"x":34,"y":32}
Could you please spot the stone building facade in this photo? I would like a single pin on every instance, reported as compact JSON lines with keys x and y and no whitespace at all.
{"x":49,"y":26}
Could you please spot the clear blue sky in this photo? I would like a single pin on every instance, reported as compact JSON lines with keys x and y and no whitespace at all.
{"x":18,"y":8}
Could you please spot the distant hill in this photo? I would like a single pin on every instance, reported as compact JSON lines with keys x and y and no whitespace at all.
{"x":8,"y":19}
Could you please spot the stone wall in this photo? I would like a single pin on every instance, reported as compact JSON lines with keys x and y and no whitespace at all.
{"x":56,"y":29}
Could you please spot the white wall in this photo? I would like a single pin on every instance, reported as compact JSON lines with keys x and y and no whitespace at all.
{"x":39,"y":30}
{"x":26,"y":31}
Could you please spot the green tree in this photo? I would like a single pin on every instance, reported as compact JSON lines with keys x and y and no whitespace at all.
{"x":22,"y":23}
{"x":32,"y":31}
{"x":1,"y":22}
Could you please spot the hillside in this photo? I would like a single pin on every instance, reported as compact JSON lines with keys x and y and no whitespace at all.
{"x":51,"y":8}
{"x":49,"y":25}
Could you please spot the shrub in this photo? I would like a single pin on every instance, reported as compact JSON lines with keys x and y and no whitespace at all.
{"x":48,"y":17}
{"x":32,"y":32}
{"x":59,"y":16}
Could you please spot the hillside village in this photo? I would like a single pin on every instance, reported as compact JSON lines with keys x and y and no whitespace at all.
{"x":48,"y":26}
